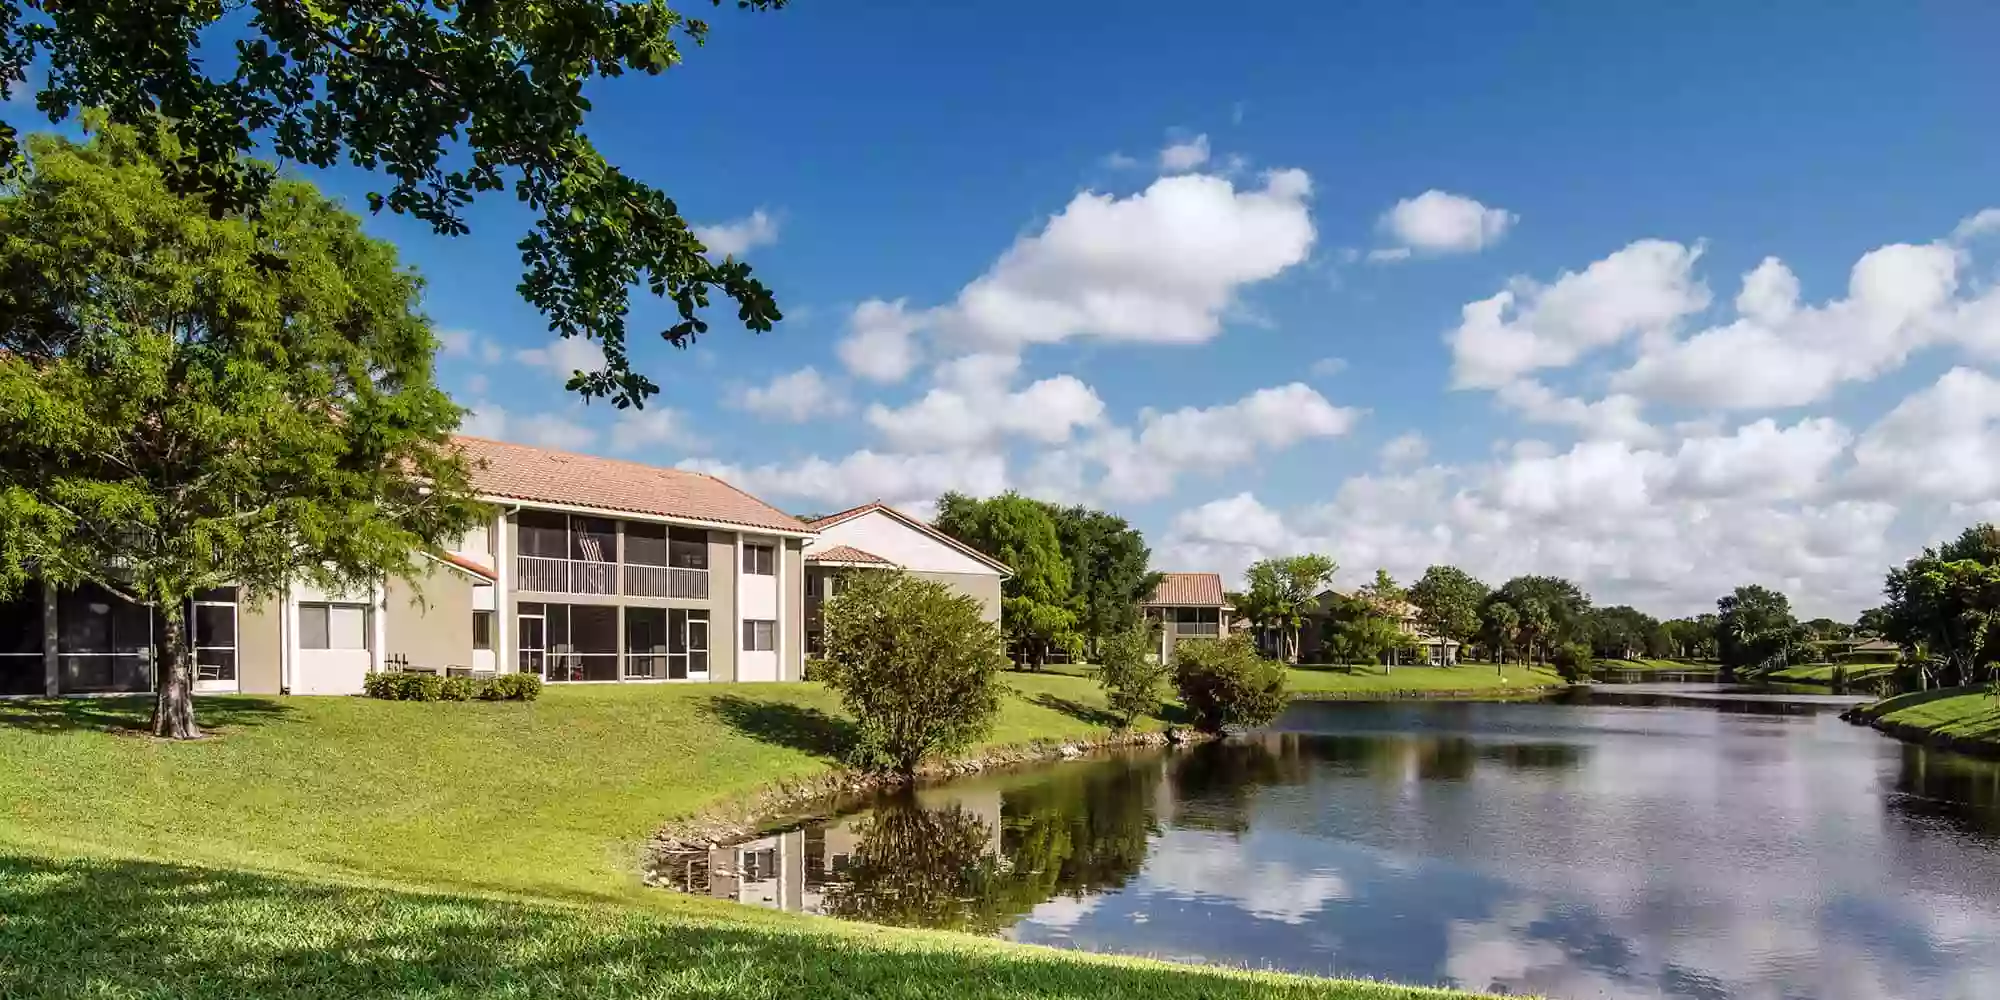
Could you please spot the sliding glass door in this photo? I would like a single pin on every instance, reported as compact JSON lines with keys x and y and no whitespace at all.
{"x":668,"y":644}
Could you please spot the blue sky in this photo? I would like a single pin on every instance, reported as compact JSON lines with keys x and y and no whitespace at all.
{"x":1149,"y":256}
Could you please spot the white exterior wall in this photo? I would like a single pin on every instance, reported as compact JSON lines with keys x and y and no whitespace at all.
{"x":757,"y":599}
{"x":899,"y":543}
{"x":334,"y":671}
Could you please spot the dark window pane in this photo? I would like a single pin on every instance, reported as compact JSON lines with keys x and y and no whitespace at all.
{"x":312,"y":626}
{"x":482,"y":630}
{"x":593,"y":539}
{"x":687,"y":548}
{"x":214,"y":625}
{"x":215,"y":665}
{"x":21,"y":623}
{"x":593,"y":628}
{"x":698,"y":664}
{"x":646,"y":544}
{"x":544,"y":534}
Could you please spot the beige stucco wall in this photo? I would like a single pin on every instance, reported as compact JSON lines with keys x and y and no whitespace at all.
{"x":981,"y":587}
{"x":260,"y":644}
{"x":428,"y":619}
{"x":725,"y":634}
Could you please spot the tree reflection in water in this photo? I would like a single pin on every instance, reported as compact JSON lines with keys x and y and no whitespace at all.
{"x":1963,"y":791}
{"x":1084,"y":830}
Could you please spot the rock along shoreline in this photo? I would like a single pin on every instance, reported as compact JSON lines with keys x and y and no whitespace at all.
{"x":800,"y":800}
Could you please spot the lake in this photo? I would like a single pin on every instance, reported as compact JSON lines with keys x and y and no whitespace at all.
{"x":1628,"y":841}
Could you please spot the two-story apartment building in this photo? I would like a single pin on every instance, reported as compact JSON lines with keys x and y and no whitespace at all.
{"x":590,"y":570}
{"x":1188,"y":606}
{"x":877,"y":536}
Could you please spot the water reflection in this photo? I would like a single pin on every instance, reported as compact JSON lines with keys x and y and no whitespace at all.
{"x":1687,"y":843}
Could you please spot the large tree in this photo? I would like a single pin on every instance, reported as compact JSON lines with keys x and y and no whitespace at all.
{"x":1755,"y":629}
{"x":1037,"y":608}
{"x":1108,"y":561}
{"x":1281,"y":592}
{"x":191,"y":401}
{"x":448,"y":100}
{"x":1500,"y":628}
{"x":1562,"y":603}
{"x":1448,"y":600}
{"x":1946,"y":601}
{"x":1620,"y":631}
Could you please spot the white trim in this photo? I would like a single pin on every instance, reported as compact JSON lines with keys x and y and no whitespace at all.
{"x":505,"y":658}
{"x":633,"y":515}
{"x":288,"y":638}
{"x":378,"y":595}
{"x":736,"y":609}
{"x":778,"y":624}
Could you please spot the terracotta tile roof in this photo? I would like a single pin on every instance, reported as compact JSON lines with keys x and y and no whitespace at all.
{"x":470,"y":565}
{"x":538,"y":475}
{"x":1189,"y":589}
{"x":845,"y":554}
{"x":823,"y":523}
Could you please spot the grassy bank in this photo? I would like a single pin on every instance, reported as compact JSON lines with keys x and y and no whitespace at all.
{"x":332,"y":847}
{"x":1465,"y":680}
{"x":1656,"y":666}
{"x":1966,"y":719}
{"x":1822,"y":673}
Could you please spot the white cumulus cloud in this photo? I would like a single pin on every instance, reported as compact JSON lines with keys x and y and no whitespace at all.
{"x":1162,"y":265}
{"x":881,"y":342}
{"x":733,"y":239}
{"x":1439,"y":222}
{"x":793,"y":397}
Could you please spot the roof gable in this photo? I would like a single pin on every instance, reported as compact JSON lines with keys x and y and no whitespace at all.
{"x":882,"y":530}
{"x":1189,"y":590}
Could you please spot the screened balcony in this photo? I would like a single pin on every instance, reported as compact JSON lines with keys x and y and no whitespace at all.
{"x":572,"y":554}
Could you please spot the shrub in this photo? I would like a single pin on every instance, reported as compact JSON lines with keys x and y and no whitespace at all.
{"x":814,"y":670}
{"x":1225,"y":683}
{"x":431,"y":687}
{"x":1572,"y":661}
{"x":515,"y":687}
{"x":915,"y":664}
{"x":403,"y":687}
{"x":1128,"y":666}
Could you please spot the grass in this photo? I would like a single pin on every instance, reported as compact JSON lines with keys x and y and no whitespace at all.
{"x":1656,"y":666}
{"x":1969,"y":715}
{"x":348,"y":848}
{"x":1371,"y":681}
{"x":1822,"y":673}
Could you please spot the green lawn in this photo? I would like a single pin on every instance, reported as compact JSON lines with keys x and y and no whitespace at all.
{"x":1656,"y":666}
{"x":348,"y":848}
{"x":1968,"y":714}
{"x":1380,"y":682}
{"x":1822,"y":673}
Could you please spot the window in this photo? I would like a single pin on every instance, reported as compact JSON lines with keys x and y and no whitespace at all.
{"x":22,"y":670}
{"x":760,"y":560}
{"x":482,"y":630}
{"x":214,"y":626}
{"x":759,"y":636}
{"x":812,"y":583}
{"x":333,"y":626}
{"x":687,"y":548}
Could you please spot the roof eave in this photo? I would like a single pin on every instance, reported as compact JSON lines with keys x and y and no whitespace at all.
{"x":635,"y":515}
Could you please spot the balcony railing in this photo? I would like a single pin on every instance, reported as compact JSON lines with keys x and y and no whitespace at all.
{"x":576,"y":576}
{"x":1197,"y":628}
{"x":666,"y":581}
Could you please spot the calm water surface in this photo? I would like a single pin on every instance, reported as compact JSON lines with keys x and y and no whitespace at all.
{"x":1640,"y":841}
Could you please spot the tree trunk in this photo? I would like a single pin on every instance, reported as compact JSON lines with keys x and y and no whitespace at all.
{"x":173,"y":709}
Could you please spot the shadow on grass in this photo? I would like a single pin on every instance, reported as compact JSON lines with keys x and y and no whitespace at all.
{"x":131,"y":715}
{"x":141,"y":929}
{"x":1089,"y":715}
{"x":784,"y":724}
